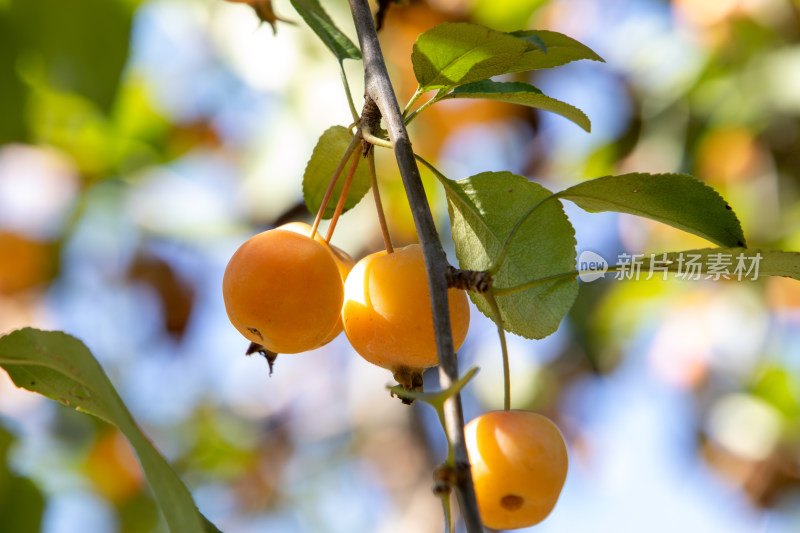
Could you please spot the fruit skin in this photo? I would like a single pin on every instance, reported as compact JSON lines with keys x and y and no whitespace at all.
{"x":519,"y":465}
{"x":387,"y":310}
{"x":342,"y":259}
{"x":283,"y":290}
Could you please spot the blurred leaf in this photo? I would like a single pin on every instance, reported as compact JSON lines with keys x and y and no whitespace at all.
{"x":175,"y":294}
{"x":132,"y":137}
{"x":523,"y":94}
{"x":134,"y":114}
{"x":78,"y":47}
{"x":327,"y":154}
{"x":60,"y":367}
{"x":75,"y":125}
{"x":676,"y":199}
{"x":548,"y":49}
{"x":504,"y":15}
{"x":81,"y":46}
{"x":483,"y":210}
{"x":781,"y":388}
{"x":141,"y":133}
{"x":319,"y":21}
{"x":13,"y":93}
{"x":21,"y":503}
{"x":455,"y":53}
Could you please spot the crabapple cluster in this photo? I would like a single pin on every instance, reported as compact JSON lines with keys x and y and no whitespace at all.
{"x":292,"y":293}
{"x":287,"y":292}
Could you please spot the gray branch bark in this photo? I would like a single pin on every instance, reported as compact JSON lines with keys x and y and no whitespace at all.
{"x":378,"y":88}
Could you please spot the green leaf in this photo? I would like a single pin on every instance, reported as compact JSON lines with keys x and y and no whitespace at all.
{"x":60,"y":367}
{"x":319,"y":21}
{"x":455,"y":53}
{"x":483,"y":210}
{"x":523,"y":94}
{"x":548,"y":49}
{"x":679,"y":200}
{"x":780,"y":386}
{"x":327,"y":155}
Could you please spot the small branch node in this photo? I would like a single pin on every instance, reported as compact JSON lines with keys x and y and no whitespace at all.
{"x":444,"y":478}
{"x":370,"y":124}
{"x":410,"y":379}
{"x":471,"y":280}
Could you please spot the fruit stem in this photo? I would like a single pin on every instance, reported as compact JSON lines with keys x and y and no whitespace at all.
{"x":498,"y":320}
{"x":373,"y":177}
{"x":336,"y":173}
{"x":447,"y":507}
{"x":343,"y":196}
{"x":437,"y":400}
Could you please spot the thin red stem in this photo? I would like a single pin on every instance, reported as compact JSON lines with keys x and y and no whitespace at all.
{"x":343,"y":197}
{"x":325,"y":199}
{"x":373,"y":176}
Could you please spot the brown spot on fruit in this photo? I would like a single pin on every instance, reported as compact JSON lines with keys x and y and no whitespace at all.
{"x":511,"y":502}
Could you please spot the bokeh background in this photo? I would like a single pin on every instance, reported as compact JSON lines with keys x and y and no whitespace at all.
{"x":141,"y":141}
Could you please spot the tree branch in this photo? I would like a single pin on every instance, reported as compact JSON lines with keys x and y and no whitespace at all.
{"x":378,"y":89}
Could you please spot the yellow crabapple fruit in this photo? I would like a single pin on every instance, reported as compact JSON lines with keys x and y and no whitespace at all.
{"x":387,"y":310}
{"x":519,"y":465}
{"x":283,"y":290}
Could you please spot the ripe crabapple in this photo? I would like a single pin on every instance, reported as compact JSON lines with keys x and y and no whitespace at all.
{"x":284,"y":291}
{"x":519,"y":465}
{"x":387,"y":310}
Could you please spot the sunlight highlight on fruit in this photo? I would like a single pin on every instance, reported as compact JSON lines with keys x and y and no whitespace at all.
{"x":387,"y":310}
